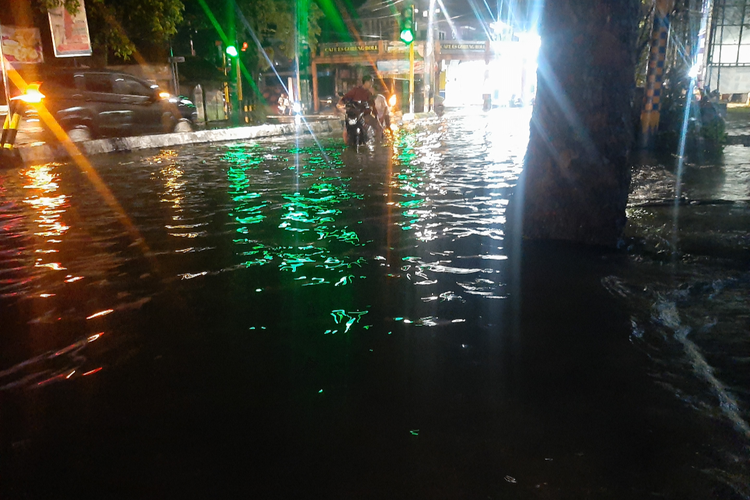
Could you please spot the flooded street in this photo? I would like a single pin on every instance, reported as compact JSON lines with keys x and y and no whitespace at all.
{"x":286,"y":318}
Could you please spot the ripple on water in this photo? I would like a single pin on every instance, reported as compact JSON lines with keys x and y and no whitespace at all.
{"x":282,"y":249}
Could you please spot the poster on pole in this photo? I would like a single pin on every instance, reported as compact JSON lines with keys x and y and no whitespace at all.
{"x":22,"y":45}
{"x":70,"y":32}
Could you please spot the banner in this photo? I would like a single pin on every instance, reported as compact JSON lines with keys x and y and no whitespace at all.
{"x":70,"y":32}
{"x":22,"y":45}
{"x":337,"y":48}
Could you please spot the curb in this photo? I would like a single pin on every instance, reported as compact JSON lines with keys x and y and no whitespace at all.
{"x":30,"y":154}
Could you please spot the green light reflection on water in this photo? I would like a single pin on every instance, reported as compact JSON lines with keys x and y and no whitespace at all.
{"x":308,"y":215}
{"x":334,"y":263}
{"x":316,"y":281}
{"x":246,"y":210}
{"x":410,"y":180}
{"x":346,"y":280}
{"x":340,"y":316}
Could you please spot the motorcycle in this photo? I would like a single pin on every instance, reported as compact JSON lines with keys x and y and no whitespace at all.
{"x":357,"y":129}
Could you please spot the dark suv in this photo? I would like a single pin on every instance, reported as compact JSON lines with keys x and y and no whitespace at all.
{"x":90,"y":103}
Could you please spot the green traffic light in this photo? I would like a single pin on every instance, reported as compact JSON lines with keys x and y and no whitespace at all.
{"x":407,"y":36}
{"x":232,"y":51}
{"x":407,"y":24}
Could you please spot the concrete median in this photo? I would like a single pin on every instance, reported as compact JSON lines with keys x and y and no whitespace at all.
{"x":31,"y":153}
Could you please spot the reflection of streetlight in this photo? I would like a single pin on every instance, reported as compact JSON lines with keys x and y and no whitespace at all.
{"x":43,"y":183}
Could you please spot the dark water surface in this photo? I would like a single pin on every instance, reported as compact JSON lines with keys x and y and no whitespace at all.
{"x":266,"y":320}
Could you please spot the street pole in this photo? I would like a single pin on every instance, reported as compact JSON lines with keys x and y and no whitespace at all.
{"x":175,"y":78}
{"x":429,"y":59}
{"x":226,"y":84}
{"x":651,"y":108}
{"x":239,"y":81}
{"x":411,"y":70}
{"x":411,"y":78}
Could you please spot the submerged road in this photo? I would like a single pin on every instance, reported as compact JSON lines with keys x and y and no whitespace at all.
{"x":285,"y":318}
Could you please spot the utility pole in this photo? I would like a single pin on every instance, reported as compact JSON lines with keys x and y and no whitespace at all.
{"x":411,"y":77}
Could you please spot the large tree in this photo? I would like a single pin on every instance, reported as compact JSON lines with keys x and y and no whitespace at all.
{"x":576,"y":175}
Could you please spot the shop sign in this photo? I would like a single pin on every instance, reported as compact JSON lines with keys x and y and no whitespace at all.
{"x":70,"y":32}
{"x":402,"y":48}
{"x":22,"y":45}
{"x":462,"y":47}
{"x":394,"y":67}
{"x":348,"y":48}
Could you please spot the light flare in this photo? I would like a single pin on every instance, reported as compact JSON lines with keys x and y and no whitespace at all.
{"x":101,"y":313}
{"x":83,"y":163}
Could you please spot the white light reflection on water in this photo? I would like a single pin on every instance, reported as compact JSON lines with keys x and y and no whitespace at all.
{"x":458,"y":195}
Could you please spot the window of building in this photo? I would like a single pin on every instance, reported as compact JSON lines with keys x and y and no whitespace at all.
{"x":731,"y":33}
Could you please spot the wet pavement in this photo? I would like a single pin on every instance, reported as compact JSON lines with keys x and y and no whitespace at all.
{"x":286,"y":318}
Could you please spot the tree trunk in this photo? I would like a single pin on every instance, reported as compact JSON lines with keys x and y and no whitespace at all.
{"x":576,"y":175}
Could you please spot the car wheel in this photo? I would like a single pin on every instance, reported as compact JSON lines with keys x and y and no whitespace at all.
{"x":183,"y":126}
{"x":80,"y":134}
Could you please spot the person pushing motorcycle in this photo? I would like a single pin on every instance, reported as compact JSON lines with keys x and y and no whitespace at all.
{"x":361,"y":93}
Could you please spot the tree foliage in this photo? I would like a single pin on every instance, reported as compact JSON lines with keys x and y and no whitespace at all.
{"x":274,"y":22}
{"x":119,"y":26}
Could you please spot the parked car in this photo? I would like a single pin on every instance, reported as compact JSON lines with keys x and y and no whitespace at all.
{"x":92,"y":103}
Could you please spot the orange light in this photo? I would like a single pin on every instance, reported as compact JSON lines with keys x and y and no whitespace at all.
{"x":31,"y":95}
{"x":244,"y":46}
{"x":392,"y":100}
{"x":164,"y":95}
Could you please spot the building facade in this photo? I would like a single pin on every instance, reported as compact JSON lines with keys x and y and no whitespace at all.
{"x":728,"y":55}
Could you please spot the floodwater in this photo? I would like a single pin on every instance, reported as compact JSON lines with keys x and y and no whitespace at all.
{"x":289,"y":319}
